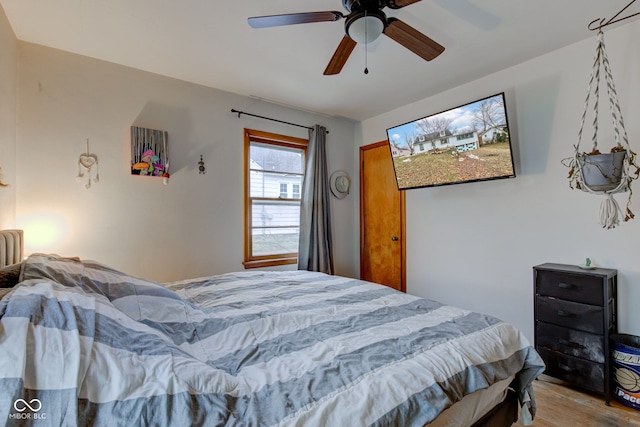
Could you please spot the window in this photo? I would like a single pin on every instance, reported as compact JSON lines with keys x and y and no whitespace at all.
{"x":273,"y":164}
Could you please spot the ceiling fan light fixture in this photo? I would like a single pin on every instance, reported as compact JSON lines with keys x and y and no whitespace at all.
{"x":365,"y":27}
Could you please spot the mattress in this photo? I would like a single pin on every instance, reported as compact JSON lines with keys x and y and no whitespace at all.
{"x":473,"y":406}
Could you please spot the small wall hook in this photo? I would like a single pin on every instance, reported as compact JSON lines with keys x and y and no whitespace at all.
{"x":201,"y":166}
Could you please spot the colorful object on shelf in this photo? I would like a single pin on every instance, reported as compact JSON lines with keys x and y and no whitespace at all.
{"x":149,"y":154}
{"x":141,"y":166}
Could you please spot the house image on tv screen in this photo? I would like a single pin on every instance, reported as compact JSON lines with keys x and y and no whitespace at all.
{"x":445,"y":139}
{"x":466,"y":143}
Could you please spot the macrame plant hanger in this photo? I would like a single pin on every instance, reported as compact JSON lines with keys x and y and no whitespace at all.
{"x":579,"y":164}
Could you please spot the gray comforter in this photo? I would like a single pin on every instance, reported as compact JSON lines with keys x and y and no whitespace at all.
{"x":81,"y":343}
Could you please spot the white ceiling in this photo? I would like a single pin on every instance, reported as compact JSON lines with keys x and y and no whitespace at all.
{"x":210,"y":43}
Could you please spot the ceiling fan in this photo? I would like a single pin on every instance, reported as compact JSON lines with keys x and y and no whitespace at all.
{"x":363,"y":24}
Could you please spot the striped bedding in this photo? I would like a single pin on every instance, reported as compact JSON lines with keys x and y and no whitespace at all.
{"x":81,"y":343}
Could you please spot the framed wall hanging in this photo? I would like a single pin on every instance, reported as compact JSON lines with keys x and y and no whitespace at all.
{"x":149,"y":152}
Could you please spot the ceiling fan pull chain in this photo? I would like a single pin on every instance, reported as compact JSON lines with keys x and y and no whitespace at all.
{"x":366,"y":43}
{"x":366,"y":69}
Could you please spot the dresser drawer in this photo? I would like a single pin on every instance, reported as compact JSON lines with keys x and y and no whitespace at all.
{"x":575,"y":311}
{"x":574,"y":287}
{"x":583,"y":317}
{"x":570,"y":341}
{"x":589,"y":375}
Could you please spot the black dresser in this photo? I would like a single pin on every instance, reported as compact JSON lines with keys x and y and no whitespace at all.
{"x":575,"y":312}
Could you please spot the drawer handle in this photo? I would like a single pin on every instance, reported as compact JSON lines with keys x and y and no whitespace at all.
{"x":562,"y":285}
{"x":570,"y":343}
{"x":565,"y":368}
{"x":568,"y":314}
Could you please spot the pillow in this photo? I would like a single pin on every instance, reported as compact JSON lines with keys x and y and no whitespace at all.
{"x":10,"y":275}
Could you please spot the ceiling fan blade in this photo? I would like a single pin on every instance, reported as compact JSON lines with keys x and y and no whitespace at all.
{"x":340,"y":56}
{"x":413,"y":39}
{"x":294,"y":18}
{"x":397,"y":4}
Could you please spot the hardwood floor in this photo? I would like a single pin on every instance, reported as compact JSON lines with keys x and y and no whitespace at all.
{"x":562,"y":406}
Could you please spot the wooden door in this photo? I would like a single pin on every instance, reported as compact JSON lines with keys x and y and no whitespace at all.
{"x":382,"y":231}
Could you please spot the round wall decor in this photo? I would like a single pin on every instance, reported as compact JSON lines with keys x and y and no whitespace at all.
{"x":339,"y":183}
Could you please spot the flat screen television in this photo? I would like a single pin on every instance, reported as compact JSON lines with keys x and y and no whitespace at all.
{"x":463,"y":144}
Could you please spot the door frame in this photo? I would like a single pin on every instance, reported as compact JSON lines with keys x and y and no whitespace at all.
{"x":403,"y":249}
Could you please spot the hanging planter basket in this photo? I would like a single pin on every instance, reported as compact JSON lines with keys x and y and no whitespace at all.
{"x":604,"y":173}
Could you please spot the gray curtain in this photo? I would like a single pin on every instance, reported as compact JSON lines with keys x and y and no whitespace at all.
{"x":315,"y":251}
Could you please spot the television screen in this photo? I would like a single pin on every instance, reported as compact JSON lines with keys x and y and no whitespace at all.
{"x":463,"y":144}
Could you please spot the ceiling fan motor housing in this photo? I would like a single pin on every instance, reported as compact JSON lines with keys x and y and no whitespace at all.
{"x":369,"y":5}
{"x":366,"y":21}
{"x":352,"y":5}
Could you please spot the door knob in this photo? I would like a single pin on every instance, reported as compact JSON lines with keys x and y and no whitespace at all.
{"x":394,"y":238}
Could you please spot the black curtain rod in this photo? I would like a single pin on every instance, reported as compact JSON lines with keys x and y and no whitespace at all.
{"x":269,"y":118}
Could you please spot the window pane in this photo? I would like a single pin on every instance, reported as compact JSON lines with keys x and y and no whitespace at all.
{"x":276,"y":158}
{"x":271,"y":241}
{"x":273,"y":213}
{"x":274,"y":170}
{"x":269,"y":184}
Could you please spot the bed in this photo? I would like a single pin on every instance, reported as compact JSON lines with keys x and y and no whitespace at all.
{"x":85,"y":344}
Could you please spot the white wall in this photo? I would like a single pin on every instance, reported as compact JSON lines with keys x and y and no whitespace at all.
{"x":191,"y":227}
{"x":8,"y":90}
{"x":503,"y":228}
